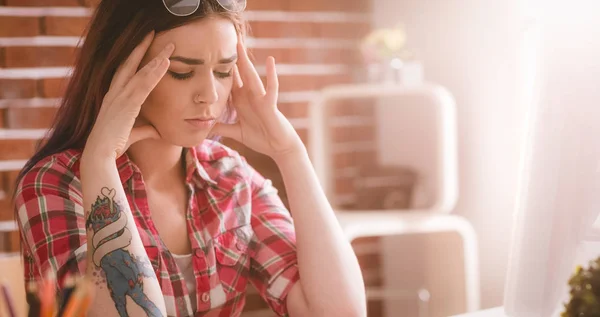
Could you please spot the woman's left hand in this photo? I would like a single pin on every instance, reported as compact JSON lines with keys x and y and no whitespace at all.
{"x":260,"y":126}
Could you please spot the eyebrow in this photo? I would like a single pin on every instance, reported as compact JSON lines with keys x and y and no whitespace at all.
{"x":195,"y":61}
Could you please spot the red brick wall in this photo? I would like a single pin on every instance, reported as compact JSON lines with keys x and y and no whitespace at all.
{"x":313,"y":42}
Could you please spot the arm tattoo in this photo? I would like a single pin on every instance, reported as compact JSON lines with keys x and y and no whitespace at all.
{"x":123,"y":271}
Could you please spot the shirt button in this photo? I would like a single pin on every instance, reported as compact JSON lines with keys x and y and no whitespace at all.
{"x":240,"y":246}
{"x":198,"y":252}
{"x":205,"y":297}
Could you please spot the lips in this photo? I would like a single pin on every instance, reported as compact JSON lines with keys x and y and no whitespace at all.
{"x":201,"y":123}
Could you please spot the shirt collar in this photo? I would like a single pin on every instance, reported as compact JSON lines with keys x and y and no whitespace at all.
{"x":195,"y":171}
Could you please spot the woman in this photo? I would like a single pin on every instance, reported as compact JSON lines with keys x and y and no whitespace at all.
{"x":129,"y":191}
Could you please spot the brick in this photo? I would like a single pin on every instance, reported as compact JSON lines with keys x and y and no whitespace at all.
{"x":303,"y":133}
{"x":259,"y":56}
{"x":344,"y":160}
{"x":273,"y":29}
{"x":294,"y":109}
{"x":14,"y":244}
{"x":307,"y":55}
{"x":9,"y":181}
{"x":280,"y":5}
{"x":6,"y":211}
{"x":2,"y":57}
{"x":30,"y":117}
{"x":315,"y":5}
{"x":369,"y":261}
{"x":349,"y":30}
{"x":357,"y":6}
{"x":39,"y":56}
{"x":91,"y":3}
{"x":364,"y":107}
{"x":3,"y":183}
{"x":17,"y":88}
{"x":42,"y":3}
{"x":328,"y":80}
{"x":322,"y":56}
{"x":344,"y":186}
{"x":18,"y":26}
{"x":52,"y":87}
{"x":349,"y":134}
{"x":65,"y":26}
{"x":375,"y":308}
{"x":16,"y":149}
{"x":296,"y":82}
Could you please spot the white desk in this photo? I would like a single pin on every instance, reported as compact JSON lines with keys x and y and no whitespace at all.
{"x":493,"y":312}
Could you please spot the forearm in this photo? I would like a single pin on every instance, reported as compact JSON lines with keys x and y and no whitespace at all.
{"x":330,"y":275}
{"x":111,"y":232}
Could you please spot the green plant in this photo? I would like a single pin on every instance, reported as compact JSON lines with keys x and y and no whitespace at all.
{"x":585,"y":292}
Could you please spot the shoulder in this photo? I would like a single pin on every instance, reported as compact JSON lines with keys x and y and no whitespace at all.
{"x":218,"y":158}
{"x":55,"y":174}
{"x":214,"y":151}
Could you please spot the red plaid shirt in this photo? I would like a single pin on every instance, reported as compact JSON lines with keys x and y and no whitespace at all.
{"x":240,"y":231}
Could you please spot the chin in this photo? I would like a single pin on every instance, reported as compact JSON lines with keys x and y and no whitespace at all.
{"x":186,"y":139}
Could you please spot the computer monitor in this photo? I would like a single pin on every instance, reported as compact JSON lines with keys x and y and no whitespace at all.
{"x":559,"y":189}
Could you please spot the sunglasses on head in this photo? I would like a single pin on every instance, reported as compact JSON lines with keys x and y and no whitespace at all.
{"x":188,"y":7}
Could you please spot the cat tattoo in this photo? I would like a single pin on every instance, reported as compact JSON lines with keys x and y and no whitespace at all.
{"x":110,"y":238}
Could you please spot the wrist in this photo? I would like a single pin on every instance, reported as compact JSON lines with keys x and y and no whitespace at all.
{"x":97,"y":154}
{"x":94,"y":161}
{"x":291,"y":158}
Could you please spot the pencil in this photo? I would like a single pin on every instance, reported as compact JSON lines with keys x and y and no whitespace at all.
{"x":48,"y":295}
{"x":67,"y":291}
{"x":86,"y":301}
{"x":10,"y":304}
{"x":80,"y":300}
{"x":33,"y":300}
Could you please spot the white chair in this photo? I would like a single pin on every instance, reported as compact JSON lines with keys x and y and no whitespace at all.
{"x":443,"y":185}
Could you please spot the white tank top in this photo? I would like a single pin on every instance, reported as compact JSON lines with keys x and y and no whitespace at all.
{"x":184,"y":262}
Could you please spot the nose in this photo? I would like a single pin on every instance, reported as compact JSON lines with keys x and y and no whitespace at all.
{"x":207,"y":94}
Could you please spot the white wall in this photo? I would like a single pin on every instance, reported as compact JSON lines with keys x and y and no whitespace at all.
{"x":473,"y":48}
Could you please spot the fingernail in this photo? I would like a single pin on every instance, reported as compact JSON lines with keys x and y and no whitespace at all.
{"x":170,"y":47}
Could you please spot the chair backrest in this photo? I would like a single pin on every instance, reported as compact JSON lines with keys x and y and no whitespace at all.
{"x":416,"y":127}
{"x":11,"y":274}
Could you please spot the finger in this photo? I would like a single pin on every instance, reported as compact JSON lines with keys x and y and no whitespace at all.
{"x":237,"y":80}
{"x":248,"y":73}
{"x":272,"y":81}
{"x":232,"y":131}
{"x":129,"y":67}
{"x":140,"y":86}
{"x":237,"y":91}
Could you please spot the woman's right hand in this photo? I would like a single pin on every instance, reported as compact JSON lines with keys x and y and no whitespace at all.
{"x":114,"y":130}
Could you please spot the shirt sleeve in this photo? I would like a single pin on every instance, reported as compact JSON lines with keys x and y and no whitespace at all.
{"x":49,"y":212}
{"x":274,"y":265}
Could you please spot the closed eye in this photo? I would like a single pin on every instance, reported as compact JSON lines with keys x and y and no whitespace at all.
{"x":184,"y":76}
{"x":223,"y":75}
{"x":181,"y":76}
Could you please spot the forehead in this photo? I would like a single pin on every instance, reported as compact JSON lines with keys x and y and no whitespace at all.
{"x":209,"y":37}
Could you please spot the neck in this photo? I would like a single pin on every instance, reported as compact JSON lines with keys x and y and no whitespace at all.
{"x":159,"y":162}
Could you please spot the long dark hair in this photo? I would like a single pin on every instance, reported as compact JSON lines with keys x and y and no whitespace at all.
{"x":116,"y":28}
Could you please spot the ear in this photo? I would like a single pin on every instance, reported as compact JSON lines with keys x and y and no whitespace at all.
{"x":140,"y":121}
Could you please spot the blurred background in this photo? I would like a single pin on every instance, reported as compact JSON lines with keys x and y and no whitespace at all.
{"x":383,"y":150}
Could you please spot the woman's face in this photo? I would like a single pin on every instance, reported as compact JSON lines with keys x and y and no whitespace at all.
{"x":193,"y":94}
